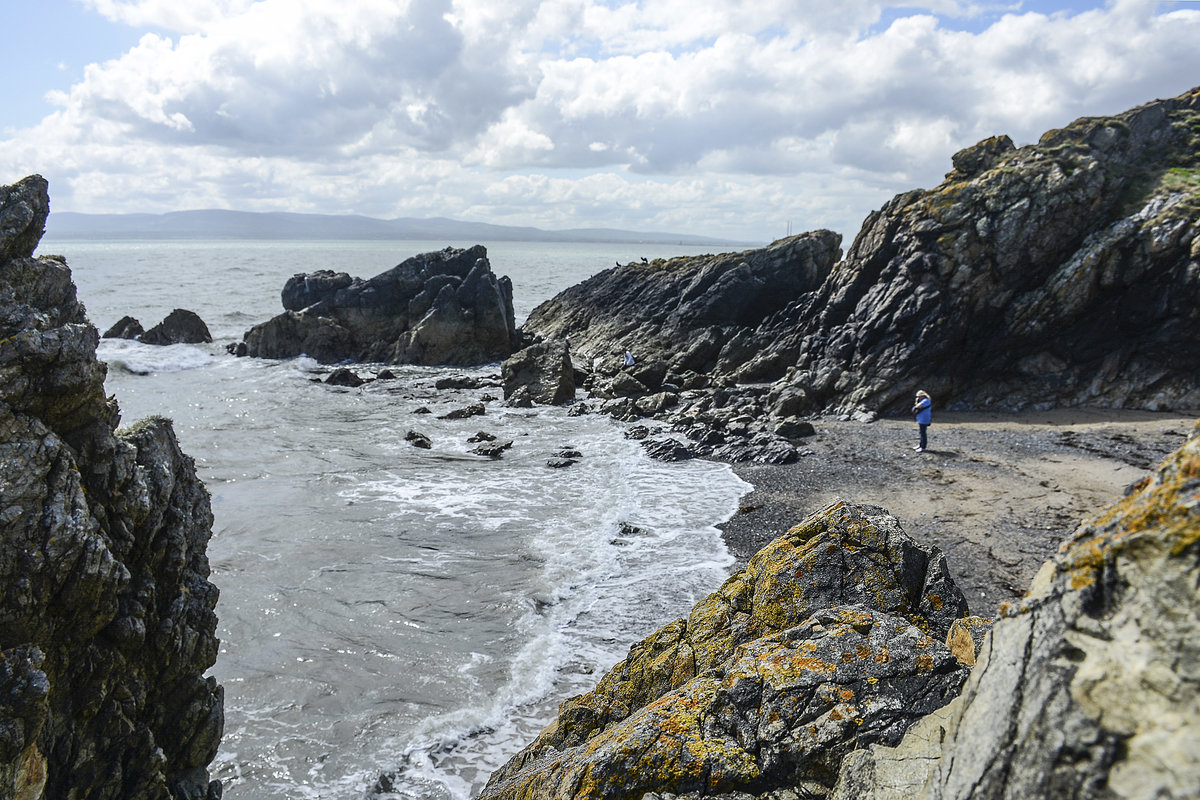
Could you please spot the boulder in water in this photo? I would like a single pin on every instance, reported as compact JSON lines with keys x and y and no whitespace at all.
{"x":125,"y":328}
{"x":179,"y":327}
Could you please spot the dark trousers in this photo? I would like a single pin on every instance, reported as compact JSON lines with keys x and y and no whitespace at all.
{"x":924,"y":437}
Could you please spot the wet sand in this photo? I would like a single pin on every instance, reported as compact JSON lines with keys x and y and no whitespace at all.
{"x":996,"y":492}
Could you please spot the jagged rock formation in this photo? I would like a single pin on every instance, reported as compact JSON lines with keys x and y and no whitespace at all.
{"x":683,"y":312}
{"x":1090,"y":687}
{"x":436,"y":308}
{"x":830,"y":638}
{"x":1062,"y":273}
{"x":106,"y":611}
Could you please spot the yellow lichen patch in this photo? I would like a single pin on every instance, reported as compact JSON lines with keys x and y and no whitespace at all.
{"x":1161,"y":514}
{"x":924,"y":662}
{"x":883,"y":656}
{"x":846,"y":694}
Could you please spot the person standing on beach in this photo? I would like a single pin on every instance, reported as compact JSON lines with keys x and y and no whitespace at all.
{"x":922,"y":408}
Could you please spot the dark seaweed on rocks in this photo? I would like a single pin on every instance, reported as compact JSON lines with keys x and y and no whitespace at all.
{"x":107,"y":621}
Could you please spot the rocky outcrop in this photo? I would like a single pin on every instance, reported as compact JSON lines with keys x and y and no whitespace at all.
{"x":1062,"y":273}
{"x":436,"y":308}
{"x":1087,"y":688}
{"x":541,"y":373}
{"x":830,"y":638}
{"x":179,"y":327}
{"x":106,"y":612}
{"x":684,"y":312}
{"x":125,"y":328}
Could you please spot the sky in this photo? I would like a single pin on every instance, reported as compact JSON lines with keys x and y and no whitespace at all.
{"x":740,"y":119}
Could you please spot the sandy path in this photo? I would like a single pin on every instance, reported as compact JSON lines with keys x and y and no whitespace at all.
{"x":997,"y":493}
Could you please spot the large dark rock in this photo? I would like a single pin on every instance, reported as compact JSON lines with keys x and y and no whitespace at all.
{"x":684,"y":311}
{"x":106,"y":612}
{"x":445,"y":307}
{"x":1061,"y":273}
{"x":23,"y":210}
{"x":179,"y":327}
{"x":125,"y":328}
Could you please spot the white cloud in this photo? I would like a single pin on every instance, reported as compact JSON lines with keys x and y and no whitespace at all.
{"x":722,"y":116}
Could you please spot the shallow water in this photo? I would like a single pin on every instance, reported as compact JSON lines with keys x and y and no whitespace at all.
{"x":388,"y":609}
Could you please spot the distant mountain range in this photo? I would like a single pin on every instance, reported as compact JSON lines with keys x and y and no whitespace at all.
{"x":249,"y":225}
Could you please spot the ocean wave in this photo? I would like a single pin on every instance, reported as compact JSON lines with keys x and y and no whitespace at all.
{"x":134,"y":358}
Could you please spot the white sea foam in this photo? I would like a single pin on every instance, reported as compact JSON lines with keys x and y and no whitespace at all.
{"x":386,"y":609}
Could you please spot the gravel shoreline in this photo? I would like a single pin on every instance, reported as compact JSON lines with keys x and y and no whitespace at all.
{"x":996,"y":492}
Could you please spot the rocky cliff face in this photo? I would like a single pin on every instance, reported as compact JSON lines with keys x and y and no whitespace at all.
{"x":1062,"y":273}
{"x":106,"y":611}
{"x":436,"y":308}
{"x":1090,"y":687}
{"x":684,"y":311}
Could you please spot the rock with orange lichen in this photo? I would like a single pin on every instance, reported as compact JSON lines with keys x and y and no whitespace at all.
{"x":782,"y":711}
{"x":843,"y":555}
{"x":1090,"y":687}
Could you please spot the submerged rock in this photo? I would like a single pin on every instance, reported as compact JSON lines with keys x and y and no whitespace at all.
{"x":445,"y":307}
{"x":106,"y":613}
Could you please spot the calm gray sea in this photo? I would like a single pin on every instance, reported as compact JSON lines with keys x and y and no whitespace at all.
{"x":386,"y":608}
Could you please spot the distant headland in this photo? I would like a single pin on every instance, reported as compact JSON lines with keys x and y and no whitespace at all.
{"x":221,"y":224}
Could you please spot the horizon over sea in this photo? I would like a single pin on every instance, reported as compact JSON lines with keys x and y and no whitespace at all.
{"x":388,"y":610}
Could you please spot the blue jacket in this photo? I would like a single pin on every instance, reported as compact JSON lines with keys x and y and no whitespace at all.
{"x":923,"y":411}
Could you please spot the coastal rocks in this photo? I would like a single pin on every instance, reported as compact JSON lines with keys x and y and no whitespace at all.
{"x":783,"y":711}
{"x":1089,"y":687}
{"x":542,"y":373}
{"x":179,"y":327}
{"x":125,"y":328}
{"x":683,"y":312}
{"x":106,"y":612}
{"x":417,"y":439}
{"x":445,"y":307}
{"x":1063,"y":273}
{"x":344,"y":376}
{"x":853,"y":563}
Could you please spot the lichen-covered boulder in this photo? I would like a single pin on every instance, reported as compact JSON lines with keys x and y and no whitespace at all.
{"x":1090,"y":687}
{"x":843,"y":555}
{"x":782,"y":711}
{"x":107,"y":621}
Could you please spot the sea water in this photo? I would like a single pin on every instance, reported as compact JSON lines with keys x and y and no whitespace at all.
{"x":387,"y":609}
